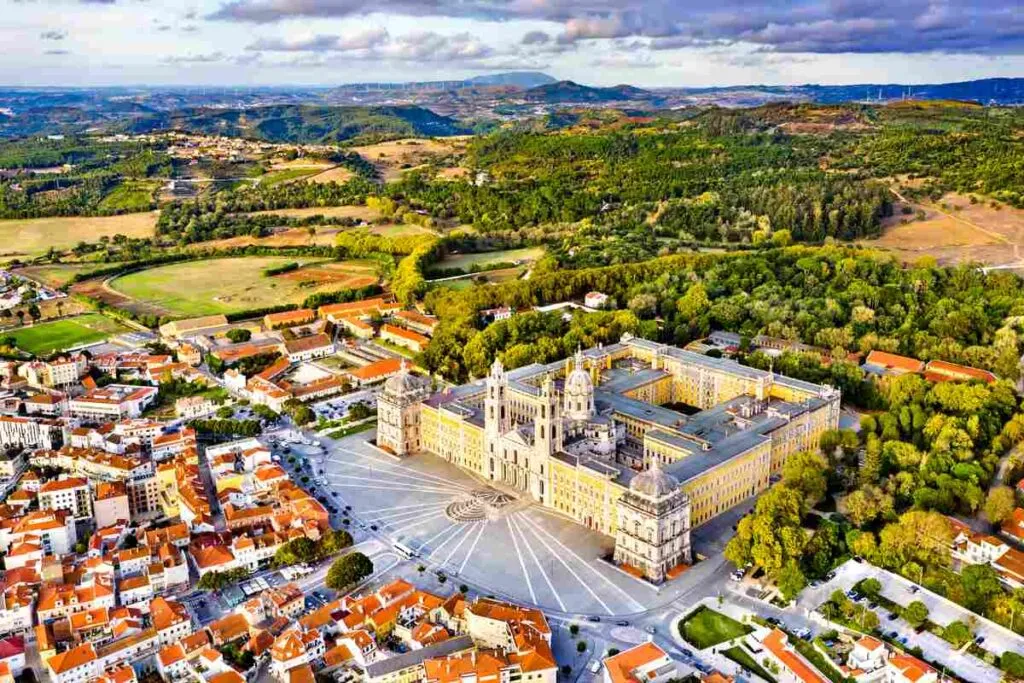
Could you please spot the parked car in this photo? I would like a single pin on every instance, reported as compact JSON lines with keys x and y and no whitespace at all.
{"x":594,"y":619}
{"x":622,"y":622}
{"x":651,"y":629}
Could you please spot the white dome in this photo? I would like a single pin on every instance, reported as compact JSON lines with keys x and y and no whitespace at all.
{"x":654,"y":483}
{"x":578,"y":382}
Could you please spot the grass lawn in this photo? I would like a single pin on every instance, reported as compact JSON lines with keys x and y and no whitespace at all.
{"x":131,"y":195}
{"x":467,"y":261}
{"x":46,"y":338}
{"x":32,"y":236}
{"x":226,"y":285}
{"x":706,"y":627}
{"x":743,"y":658}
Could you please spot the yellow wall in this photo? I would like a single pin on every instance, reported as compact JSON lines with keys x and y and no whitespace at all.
{"x":585,"y":496}
{"x":452,"y":438}
{"x":716,"y":490}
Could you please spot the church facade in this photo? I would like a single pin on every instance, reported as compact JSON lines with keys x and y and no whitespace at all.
{"x":636,"y":440}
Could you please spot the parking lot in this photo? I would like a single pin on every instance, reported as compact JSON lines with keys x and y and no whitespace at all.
{"x":941,"y":611}
{"x":337,"y":408}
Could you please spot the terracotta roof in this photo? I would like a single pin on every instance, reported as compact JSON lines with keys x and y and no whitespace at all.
{"x":403,"y":333}
{"x":171,"y":654}
{"x":338,"y":654}
{"x":869,"y":643}
{"x":946,"y":370}
{"x":377,"y":369}
{"x":362,"y":307}
{"x":777,"y":645}
{"x":229,"y":628}
{"x":72,"y":659}
{"x":166,"y":613}
{"x":63,"y":484}
{"x":913,"y":669}
{"x":892,"y":361}
{"x":288,"y":317}
{"x":301,"y":674}
{"x":314,"y":341}
{"x":231,"y":676}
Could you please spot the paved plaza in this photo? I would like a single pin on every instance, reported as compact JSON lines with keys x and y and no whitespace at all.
{"x":479,"y":534}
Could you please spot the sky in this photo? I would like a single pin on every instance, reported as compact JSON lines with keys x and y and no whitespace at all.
{"x":599,"y":42}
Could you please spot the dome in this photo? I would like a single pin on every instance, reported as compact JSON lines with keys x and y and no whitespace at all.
{"x":654,"y":483}
{"x":404,"y":383}
{"x":578,"y":383}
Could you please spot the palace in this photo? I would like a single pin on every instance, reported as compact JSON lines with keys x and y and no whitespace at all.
{"x":637,"y":440}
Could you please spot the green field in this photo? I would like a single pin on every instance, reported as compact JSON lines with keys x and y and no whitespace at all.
{"x":54,"y":336}
{"x":287,"y":174}
{"x":706,"y":627}
{"x":467,"y":261}
{"x":131,"y":195}
{"x":227,"y":285}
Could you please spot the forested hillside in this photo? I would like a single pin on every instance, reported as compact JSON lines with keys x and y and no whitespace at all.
{"x":302,"y":123}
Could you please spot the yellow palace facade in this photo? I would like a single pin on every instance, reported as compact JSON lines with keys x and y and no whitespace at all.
{"x":574,"y":434}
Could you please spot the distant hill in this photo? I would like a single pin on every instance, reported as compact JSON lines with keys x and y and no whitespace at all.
{"x":301,"y":123}
{"x":985,"y":91}
{"x":515,"y":79}
{"x":570,"y":91}
{"x":519,"y":79}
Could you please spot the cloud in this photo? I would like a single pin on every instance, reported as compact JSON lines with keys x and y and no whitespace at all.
{"x":323,"y":43}
{"x":54,"y":34}
{"x":816,"y":26}
{"x":378,"y":45}
{"x":194,"y":58}
{"x":56,"y":52}
{"x":536,"y":38}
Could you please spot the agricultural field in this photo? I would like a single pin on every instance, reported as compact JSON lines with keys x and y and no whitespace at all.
{"x":131,"y":195}
{"x":233,"y":284}
{"x":33,"y":236}
{"x":60,"y":274}
{"x":397,"y":156}
{"x":955,"y":231}
{"x":481,"y":260}
{"x":46,"y":338}
{"x":287,"y":175}
{"x":338,"y":174}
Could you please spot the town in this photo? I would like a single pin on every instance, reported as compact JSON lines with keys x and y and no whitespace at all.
{"x":285,"y":499}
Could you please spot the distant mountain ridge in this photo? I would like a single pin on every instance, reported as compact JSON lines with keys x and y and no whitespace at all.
{"x":515,"y":79}
{"x":985,"y":90}
{"x":570,"y":91}
{"x":301,"y":123}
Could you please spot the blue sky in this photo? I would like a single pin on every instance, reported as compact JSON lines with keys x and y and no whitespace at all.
{"x":603,"y":42}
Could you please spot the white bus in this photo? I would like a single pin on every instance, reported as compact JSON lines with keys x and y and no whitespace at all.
{"x":404,"y":550}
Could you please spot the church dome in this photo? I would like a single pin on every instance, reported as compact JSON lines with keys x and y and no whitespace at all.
{"x":404,"y":383}
{"x":578,"y":383}
{"x":654,"y":483}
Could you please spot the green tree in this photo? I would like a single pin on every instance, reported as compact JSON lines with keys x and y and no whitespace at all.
{"x":239,"y":335}
{"x":999,"y":504}
{"x":348,"y":570}
{"x":871,"y":587}
{"x":791,"y":580}
{"x":915,"y":613}
{"x":957,"y":633}
{"x":805,"y":473}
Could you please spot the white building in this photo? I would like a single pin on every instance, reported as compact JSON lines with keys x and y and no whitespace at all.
{"x":22,"y":432}
{"x":113,"y":402}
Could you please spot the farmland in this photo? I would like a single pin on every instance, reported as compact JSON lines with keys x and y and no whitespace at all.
{"x":60,"y":274}
{"x":955,"y":230}
{"x":233,"y":284}
{"x":62,"y":334}
{"x":33,"y":236}
{"x":396,"y":156}
{"x":481,"y":260}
